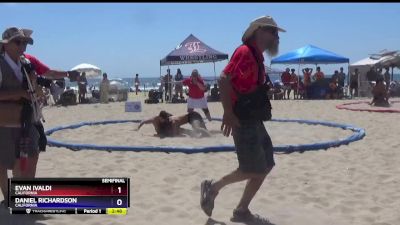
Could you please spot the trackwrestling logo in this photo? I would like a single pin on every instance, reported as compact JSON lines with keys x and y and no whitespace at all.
{"x":194,"y":47}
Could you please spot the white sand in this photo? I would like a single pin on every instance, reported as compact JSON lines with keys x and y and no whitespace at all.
{"x":394,"y":105}
{"x":358,"y":184}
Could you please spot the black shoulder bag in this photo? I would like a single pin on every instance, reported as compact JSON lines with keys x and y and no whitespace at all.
{"x":254,"y":105}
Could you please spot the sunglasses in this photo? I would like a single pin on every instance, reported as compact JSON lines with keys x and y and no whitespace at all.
{"x":273,"y":31}
{"x":19,"y":42}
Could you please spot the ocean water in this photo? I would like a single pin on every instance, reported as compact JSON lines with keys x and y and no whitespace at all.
{"x":147,"y":83}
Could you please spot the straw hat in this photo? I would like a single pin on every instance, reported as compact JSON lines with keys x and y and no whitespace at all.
{"x":264,"y":21}
{"x":13,"y":32}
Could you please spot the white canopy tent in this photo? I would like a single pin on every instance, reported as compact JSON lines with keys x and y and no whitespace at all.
{"x":363,"y":66}
{"x":366,"y":62}
{"x":90,"y":70}
{"x":383,"y":59}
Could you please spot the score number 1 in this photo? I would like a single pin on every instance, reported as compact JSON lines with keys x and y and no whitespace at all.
{"x":119,"y":201}
{"x":117,"y":191}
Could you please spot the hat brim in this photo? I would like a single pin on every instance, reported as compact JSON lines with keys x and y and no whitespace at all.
{"x":252,"y":28}
{"x":28,"y":39}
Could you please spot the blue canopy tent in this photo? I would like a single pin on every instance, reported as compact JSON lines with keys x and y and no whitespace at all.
{"x":192,"y":51}
{"x":310,"y":54}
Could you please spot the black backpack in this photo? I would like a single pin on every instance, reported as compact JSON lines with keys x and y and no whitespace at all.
{"x":68,"y":98}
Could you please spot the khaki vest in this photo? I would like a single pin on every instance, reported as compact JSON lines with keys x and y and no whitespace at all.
{"x":9,"y":79}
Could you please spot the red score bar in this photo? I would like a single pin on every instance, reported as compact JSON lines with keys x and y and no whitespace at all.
{"x":96,"y":190}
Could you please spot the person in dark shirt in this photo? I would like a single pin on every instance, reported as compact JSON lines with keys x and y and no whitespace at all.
{"x":215,"y":93}
{"x":167,"y":80}
{"x":354,"y":83}
{"x":341,"y":77}
{"x":372,"y":75}
{"x":178,"y":85}
{"x":82,"y":87}
{"x":386,"y":76}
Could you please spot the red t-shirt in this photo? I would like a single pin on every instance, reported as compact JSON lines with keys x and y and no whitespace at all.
{"x":40,"y":67}
{"x":319,"y":75}
{"x":243,"y":70}
{"x":194,"y":90}
{"x":307,"y":78}
{"x":285,"y":77}
{"x":293,"y":80}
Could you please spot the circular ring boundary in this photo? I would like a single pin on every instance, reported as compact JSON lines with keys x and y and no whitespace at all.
{"x":358,"y":134}
{"x":344,"y":106}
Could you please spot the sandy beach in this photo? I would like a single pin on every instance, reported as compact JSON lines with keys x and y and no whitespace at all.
{"x":357,"y":184}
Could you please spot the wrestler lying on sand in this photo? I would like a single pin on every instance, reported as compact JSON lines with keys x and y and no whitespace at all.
{"x":380,"y":94}
{"x":167,"y":125}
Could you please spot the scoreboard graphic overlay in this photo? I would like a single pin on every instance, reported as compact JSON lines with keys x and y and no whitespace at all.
{"x":68,"y":195}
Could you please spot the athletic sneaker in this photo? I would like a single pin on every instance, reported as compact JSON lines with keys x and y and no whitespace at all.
{"x":247,"y":216}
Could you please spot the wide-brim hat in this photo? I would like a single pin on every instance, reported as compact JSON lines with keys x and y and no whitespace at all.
{"x":13,"y":32}
{"x":263,"y":21}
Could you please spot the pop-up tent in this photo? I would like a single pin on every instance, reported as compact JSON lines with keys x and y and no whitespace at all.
{"x":363,"y":66}
{"x":192,"y":51}
{"x":309,"y":54}
{"x":382,"y":59}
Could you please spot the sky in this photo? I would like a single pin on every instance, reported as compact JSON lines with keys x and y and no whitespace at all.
{"x":128,"y":38}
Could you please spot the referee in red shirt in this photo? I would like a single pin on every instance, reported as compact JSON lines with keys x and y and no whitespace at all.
{"x":196,"y":93}
{"x":253,"y":145}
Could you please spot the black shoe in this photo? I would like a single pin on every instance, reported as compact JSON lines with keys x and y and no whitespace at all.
{"x":207,"y":197}
{"x":240,"y":216}
{"x":247,"y":217}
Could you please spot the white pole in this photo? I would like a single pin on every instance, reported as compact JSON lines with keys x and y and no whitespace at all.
{"x":169,"y":86}
{"x":348,"y":78}
{"x":215,"y":74}
{"x":160,"y":83}
{"x":358,"y":84}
